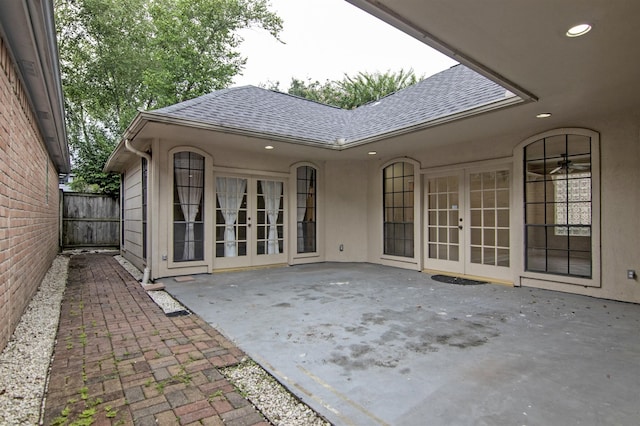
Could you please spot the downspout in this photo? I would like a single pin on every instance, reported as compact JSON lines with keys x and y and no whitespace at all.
{"x":146,"y":156}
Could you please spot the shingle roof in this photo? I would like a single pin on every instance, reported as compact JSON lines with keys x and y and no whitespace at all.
{"x":250,"y":108}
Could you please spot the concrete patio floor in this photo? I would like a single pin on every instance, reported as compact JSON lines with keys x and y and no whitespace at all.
{"x":366,"y":344}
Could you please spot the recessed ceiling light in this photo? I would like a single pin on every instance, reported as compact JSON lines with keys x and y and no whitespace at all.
{"x":544,"y":115}
{"x":578,"y":30}
{"x":372,"y":152}
{"x":268,"y":147}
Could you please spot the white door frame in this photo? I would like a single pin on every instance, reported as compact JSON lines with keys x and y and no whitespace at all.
{"x":444,"y":224}
{"x":464,"y":265}
{"x":252,"y":258}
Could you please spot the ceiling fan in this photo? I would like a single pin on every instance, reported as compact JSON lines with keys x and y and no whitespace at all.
{"x":567,"y":166}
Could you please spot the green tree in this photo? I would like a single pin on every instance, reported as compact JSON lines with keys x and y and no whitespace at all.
{"x":118,"y":56}
{"x":351,"y":92}
{"x":365,"y":87}
{"x":327,"y":93}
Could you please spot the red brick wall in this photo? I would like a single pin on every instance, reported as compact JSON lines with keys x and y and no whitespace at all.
{"x":29,"y":201}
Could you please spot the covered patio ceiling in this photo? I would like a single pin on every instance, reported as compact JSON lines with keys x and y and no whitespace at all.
{"x":524,"y":46}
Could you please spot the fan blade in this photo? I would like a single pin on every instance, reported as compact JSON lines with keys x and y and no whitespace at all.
{"x":556,"y":170}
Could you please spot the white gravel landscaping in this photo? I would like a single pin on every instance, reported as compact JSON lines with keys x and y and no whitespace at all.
{"x":24,"y":363}
{"x":168,"y":304}
{"x":272,"y":399}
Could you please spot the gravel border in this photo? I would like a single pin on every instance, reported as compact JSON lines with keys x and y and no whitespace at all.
{"x":24,"y":363}
{"x":273,"y":400}
{"x":169,"y":305}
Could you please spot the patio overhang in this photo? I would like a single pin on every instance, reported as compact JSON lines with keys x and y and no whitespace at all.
{"x":524,"y":47}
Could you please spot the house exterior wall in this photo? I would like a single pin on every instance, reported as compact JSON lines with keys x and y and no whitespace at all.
{"x":350,"y":201}
{"x":217,"y":161}
{"x":342,"y":209}
{"x":29,"y":201}
{"x":131,"y":245}
{"x":619,"y":205}
{"x":345,"y":206}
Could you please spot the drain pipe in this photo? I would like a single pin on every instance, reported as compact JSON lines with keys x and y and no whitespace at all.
{"x":146,"y":156}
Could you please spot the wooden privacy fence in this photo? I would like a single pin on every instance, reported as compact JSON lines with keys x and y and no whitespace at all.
{"x":89,"y":220}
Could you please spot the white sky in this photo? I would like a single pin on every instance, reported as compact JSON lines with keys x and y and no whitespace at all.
{"x":326,"y":39}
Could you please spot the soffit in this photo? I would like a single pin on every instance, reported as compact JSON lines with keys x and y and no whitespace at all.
{"x":524,"y":44}
{"x":28,"y":27}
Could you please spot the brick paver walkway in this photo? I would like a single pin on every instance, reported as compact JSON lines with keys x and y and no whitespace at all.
{"x":119,"y":360}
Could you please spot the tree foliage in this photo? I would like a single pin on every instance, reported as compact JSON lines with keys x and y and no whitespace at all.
{"x":351,"y":92}
{"x":118,"y":56}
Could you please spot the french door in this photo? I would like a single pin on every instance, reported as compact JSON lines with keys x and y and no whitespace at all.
{"x":467,"y":222}
{"x":250,"y":222}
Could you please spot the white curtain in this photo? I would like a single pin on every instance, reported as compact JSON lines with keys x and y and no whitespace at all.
{"x":189,"y":168}
{"x":303,"y":191}
{"x":230,"y":194}
{"x":272,"y":191}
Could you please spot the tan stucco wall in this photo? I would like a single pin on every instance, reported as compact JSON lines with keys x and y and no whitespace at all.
{"x":620,"y":198}
{"x":346,"y":212}
{"x":620,"y":205}
{"x":350,"y":208}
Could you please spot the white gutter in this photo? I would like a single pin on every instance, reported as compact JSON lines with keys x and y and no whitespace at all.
{"x":163,"y":119}
{"x":142,"y":154}
{"x":146,"y":156}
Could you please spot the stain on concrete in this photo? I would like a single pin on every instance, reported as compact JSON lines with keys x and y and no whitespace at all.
{"x":358,"y":350}
{"x":390,"y":335}
{"x":358,"y":331}
{"x":373,"y":318}
{"x":282,"y":305}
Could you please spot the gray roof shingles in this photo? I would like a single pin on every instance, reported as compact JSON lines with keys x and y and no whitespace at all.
{"x":250,"y":108}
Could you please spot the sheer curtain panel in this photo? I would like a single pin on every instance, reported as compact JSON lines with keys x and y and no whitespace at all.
{"x":272,"y":194}
{"x":231,"y":192}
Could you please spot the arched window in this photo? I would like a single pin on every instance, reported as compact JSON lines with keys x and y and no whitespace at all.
{"x":306,"y":209}
{"x":558,"y":201}
{"x":188,"y":206}
{"x":398,"y":185}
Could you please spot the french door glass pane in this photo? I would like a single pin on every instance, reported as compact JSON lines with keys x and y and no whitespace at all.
{"x":443,"y":215}
{"x":489,"y":211}
{"x":270,"y":211}
{"x":231,"y":217}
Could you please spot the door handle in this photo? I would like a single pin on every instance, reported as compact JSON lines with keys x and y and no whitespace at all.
{"x":459,"y":226}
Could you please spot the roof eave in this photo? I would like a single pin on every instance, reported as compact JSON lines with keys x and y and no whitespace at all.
{"x":164,"y":119}
{"x":142,"y":118}
{"x":29,"y":30}
{"x":136,"y":125}
{"x":439,"y":121}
